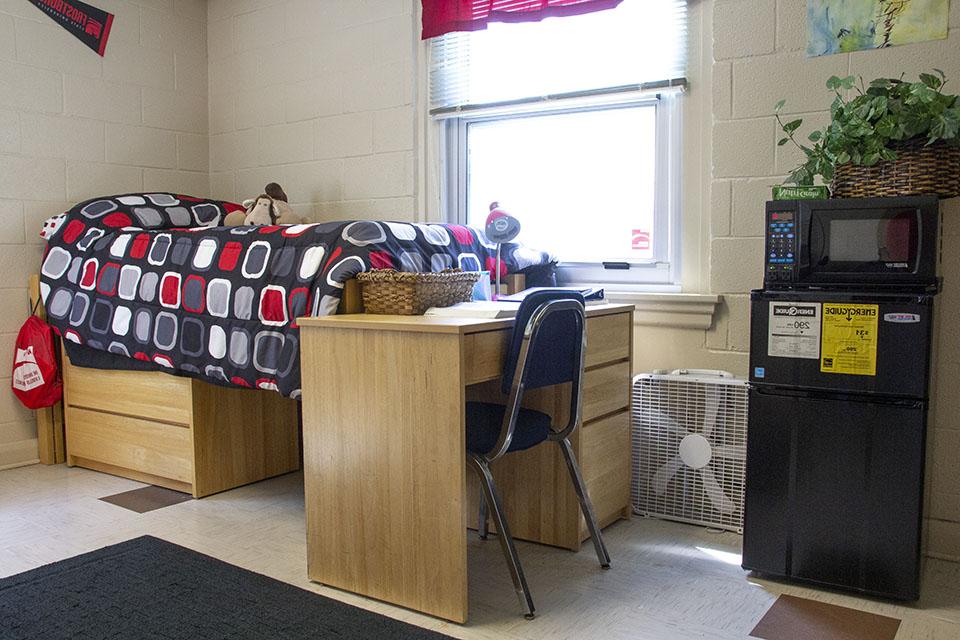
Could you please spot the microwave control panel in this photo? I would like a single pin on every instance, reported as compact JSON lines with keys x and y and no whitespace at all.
{"x":781,"y":246}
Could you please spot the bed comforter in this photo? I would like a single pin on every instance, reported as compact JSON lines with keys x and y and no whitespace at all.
{"x":153,"y":277}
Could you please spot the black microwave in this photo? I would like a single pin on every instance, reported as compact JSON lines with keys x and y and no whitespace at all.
{"x":862,"y":242}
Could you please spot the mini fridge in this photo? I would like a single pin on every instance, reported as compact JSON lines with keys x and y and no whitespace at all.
{"x":837,"y":426}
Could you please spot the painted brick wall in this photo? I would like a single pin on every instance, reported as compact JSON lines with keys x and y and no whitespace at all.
{"x":943,"y":435}
{"x":318,"y":96}
{"x":759,"y":58}
{"x":74,"y":125}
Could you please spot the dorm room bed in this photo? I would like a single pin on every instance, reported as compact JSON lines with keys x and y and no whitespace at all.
{"x":136,"y":294}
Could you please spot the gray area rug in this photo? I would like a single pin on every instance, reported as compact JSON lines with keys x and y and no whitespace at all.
{"x":149,"y":588}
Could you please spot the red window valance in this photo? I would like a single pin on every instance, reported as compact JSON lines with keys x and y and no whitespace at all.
{"x":444,"y":16}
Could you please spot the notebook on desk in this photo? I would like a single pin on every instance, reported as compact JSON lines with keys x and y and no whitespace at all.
{"x":590,"y":294}
{"x":478,"y":309}
{"x":506,"y":306}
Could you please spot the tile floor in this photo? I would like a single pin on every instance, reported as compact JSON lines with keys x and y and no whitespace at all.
{"x":668,"y":580}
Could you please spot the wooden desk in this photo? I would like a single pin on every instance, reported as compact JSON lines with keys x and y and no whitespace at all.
{"x":384,"y":455}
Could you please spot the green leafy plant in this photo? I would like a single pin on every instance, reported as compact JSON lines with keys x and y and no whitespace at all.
{"x":868,"y":128}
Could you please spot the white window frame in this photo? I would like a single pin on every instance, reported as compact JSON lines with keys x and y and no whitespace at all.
{"x":662,"y":272}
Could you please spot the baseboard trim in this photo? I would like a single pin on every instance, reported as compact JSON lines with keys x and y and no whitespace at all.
{"x":18,"y":454}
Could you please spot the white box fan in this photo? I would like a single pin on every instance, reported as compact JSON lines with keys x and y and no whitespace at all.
{"x":689,"y":433}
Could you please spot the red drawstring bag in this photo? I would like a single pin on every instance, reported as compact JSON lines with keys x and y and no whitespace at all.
{"x":36,"y":379}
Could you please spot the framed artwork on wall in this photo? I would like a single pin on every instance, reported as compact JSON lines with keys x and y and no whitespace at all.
{"x":841,"y":26}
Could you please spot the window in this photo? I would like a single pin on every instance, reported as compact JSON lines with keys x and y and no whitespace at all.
{"x":572,"y":125}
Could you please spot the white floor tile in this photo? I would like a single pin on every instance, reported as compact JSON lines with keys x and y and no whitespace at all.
{"x":668,"y":580}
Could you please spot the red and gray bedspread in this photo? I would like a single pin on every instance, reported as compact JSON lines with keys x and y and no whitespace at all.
{"x":152,"y":277}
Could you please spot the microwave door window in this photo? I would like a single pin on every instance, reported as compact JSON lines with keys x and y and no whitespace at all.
{"x":871,"y":244}
{"x":855,"y":241}
{"x":871,"y":241}
{"x":898,"y":239}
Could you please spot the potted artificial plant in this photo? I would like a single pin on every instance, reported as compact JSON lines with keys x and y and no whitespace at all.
{"x":892,"y":138}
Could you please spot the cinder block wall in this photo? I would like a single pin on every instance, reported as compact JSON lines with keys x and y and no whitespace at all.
{"x":759,"y":58}
{"x":318,"y":96}
{"x":74,"y":125}
{"x":943,"y":434}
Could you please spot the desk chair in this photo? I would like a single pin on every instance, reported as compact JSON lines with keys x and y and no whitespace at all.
{"x":546,"y":348}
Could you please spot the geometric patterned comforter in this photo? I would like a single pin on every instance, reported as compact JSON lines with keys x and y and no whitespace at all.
{"x":154,"y":277}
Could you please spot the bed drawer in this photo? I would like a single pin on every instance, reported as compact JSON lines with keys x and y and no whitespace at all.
{"x":141,"y":394}
{"x":154,"y":448}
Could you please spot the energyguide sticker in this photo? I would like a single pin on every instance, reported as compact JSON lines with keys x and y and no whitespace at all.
{"x":794,"y":330}
{"x":849,"y":340}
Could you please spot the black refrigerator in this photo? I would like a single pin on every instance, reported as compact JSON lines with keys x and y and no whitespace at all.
{"x":837,"y":427}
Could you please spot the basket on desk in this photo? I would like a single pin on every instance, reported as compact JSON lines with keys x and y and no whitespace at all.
{"x":386,"y":291}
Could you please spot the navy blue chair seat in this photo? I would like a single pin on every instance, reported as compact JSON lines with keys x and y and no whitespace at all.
{"x":484,"y":420}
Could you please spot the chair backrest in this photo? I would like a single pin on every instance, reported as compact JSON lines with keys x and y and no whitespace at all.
{"x":554,"y":354}
{"x":546,"y":348}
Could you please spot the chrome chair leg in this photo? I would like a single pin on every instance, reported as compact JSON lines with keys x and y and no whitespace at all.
{"x":492,"y":500}
{"x":482,"y":522}
{"x":602,"y":555}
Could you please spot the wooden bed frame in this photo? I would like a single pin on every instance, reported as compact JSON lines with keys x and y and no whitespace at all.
{"x":172,"y":431}
{"x":177,"y":432}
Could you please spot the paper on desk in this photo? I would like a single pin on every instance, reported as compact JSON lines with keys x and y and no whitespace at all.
{"x":477,"y":309}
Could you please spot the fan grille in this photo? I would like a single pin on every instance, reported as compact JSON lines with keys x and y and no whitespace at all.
{"x":667,"y":408}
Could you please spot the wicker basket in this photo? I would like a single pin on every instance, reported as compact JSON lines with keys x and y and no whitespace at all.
{"x":918,"y":170}
{"x":386,"y":291}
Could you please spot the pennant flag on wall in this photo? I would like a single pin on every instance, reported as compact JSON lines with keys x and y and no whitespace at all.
{"x":89,"y":25}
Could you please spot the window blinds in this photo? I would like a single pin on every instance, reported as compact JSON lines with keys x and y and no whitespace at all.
{"x":639,"y":44}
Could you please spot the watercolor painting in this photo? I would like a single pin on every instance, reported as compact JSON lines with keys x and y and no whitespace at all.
{"x":839,"y":26}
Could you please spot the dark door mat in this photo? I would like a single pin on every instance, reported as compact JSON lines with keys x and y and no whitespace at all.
{"x":147,"y":588}
{"x":147,"y":498}
{"x":791,"y":617}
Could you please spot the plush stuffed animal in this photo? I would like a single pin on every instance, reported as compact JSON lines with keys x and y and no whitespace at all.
{"x":235,"y":218}
{"x":283,"y":211}
{"x":260,"y":211}
{"x":269,"y":207}
{"x":256,"y":211}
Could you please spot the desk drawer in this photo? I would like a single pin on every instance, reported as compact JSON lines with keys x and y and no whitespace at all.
{"x":142,"y":394}
{"x":155,"y":448}
{"x":606,"y":390}
{"x":605,"y":461}
{"x":608,"y":338}
{"x":483,"y":355}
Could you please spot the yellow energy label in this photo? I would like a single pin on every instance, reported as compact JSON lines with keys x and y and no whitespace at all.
{"x":848,"y":342}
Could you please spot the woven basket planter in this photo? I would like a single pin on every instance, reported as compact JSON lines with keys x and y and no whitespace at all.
{"x":918,"y":170}
{"x":386,"y":291}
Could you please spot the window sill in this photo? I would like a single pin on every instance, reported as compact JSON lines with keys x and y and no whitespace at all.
{"x":678,"y":310}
